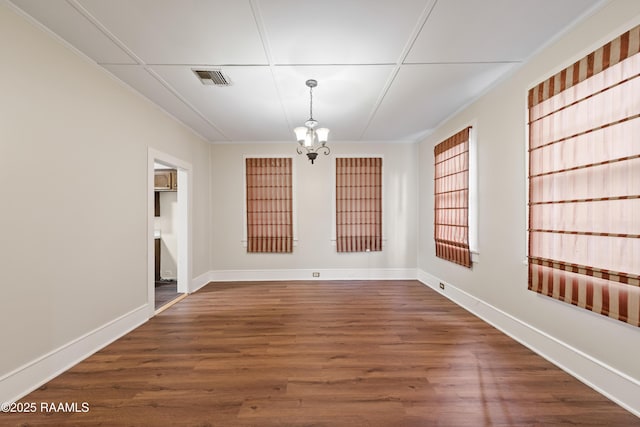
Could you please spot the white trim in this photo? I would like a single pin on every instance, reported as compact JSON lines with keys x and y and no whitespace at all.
{"x":307,"y":274}
{"x":474,"y":184}
{"x":606,"y":380}
{"x":184,"y":223}
{"x":526,"y":178}
{"x":201,"y":281}
{"x":25,"y":379}
{"x":185,"y":193}
{"x":294,"y":201}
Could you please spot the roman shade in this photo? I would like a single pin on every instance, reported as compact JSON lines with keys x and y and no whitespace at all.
{"x":584,"y":182}
{"x":359,"y":204}
{"x":269,"y":205}
{"x":451,"y":194}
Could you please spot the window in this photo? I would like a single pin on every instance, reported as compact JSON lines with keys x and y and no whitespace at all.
{"x":584,"y":182}
{"x":451,"y":193}
{"x":359,"y":204}
{"x":269,"y":205}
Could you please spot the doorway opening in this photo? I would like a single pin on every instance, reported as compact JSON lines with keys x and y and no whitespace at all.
{"x":165,"y":234}
{"x":169,"y":234}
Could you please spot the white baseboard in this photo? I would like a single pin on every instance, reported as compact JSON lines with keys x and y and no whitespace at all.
{"x":200,"y":281}
{"x":23,"y":380}
{"x":615,"y":385}
{"x":307,"y":274}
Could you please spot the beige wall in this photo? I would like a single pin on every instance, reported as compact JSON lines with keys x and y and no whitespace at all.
{"x":500,"y":278}
{"x":73,"y":162}
{"x":313,"y":202}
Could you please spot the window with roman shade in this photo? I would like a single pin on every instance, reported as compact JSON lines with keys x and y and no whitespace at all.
{"x":584,"y":182}
{"x":269,"y":205}
{"x":451,"y":193}
{"x":359,"y":204}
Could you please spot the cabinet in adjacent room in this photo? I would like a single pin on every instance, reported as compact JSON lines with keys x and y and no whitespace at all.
{"x":165,"y":180}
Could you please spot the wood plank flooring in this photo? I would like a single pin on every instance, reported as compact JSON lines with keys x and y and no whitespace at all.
{"x":352,"y":353}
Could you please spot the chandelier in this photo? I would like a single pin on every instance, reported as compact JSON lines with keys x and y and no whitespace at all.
{"x":311,"y":140}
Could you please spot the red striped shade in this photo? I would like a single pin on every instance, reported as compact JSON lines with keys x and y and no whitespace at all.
{"x":584,"y":182}
{"x":612,"y":53}
{"x":451,"y":227}
{"x":269,"y":205}
{"x":359,"y":204}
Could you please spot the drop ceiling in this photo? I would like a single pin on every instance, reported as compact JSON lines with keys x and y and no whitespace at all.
{"x":387,"y":70}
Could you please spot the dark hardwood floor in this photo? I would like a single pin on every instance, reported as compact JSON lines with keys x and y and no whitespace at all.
{"x":352,"y":353}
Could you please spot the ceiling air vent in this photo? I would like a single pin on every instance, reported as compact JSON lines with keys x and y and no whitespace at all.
{"x":213,"y":77}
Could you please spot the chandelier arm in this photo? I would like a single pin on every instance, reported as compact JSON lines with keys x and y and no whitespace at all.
{"x":326,"y":149}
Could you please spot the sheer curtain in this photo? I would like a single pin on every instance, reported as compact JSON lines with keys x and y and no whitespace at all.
{"x":359,"y":204}
{"x":584,"y":182}
{"x":269,"y":205}
{"x":451,"y":219}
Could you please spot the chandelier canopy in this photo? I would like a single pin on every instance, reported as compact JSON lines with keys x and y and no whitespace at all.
{"x":312,"y":140}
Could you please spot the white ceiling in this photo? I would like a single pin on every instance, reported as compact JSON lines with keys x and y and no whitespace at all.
{"x":387,"y":70}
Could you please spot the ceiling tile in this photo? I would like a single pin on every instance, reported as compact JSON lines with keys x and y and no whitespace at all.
{"x":342,"y":101}
{"x":339,"y":31}
{"x":69,"y":24}
{"x":422,"y":96}
{"x":137,"y":77}
{"x":491,"y":30}
{"x":248,"y":110}
{"x":270,"y":47}
{"x":183,"y":31}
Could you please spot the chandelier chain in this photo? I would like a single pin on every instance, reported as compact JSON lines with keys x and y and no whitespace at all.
{"x":311,"y":103}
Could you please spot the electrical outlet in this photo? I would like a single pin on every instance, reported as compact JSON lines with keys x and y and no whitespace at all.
{"x":316,"y":274}
{"x":441,"y":285}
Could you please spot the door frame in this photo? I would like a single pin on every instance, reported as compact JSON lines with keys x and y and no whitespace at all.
{"x":184,"y":238}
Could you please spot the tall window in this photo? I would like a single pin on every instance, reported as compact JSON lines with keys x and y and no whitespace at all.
{"x":269,"y":205}
{"x":584,"y":182}
{"x":451,"y":218}
{"x":359,"y":204}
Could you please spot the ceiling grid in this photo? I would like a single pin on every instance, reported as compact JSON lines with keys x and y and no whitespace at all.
{"x":387,"y":70}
